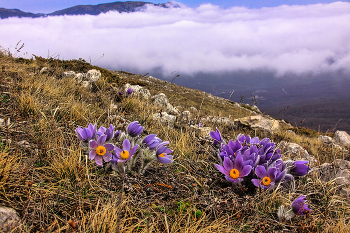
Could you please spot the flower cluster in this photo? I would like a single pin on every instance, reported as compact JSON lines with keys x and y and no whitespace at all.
{"x":116,"y":147}
{"x":256,"y":160}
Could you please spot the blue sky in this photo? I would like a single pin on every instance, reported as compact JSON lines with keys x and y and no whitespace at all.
{"x":47,"y":6}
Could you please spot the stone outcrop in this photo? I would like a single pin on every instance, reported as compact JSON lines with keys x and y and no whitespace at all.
{"x":262,"y":123}
{"x":219,"y":121}
{"x":200,"y":131}
{"x":296,"y":152}
{"x":342,"y":138}
{"x":339,"y":171}
{"x":165,"y":117}
{"x":185,"y":117}
{"x":9,"y":220}
{"x":93,"y":75}
{"x":85,"y":79}
{"x":162,"y":102}
{"x":326,"y":139}
{"x":137,"y":90}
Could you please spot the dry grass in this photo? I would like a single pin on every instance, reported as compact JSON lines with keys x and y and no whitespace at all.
{"x":55,"y":188}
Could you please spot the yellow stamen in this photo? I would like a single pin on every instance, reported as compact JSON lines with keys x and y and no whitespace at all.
{"x":101,"y":150}
{"x":234,"y":173}
{"x":124,"y":154}
{"x":266,"y":181}
{"x":161,"y":155}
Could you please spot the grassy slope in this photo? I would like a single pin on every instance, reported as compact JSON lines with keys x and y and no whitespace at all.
{"x":53,"y":187}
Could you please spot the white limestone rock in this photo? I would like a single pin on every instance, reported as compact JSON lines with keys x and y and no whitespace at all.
{"x":165,"y":117}
{"x":68,"y":74}
{"x":342,"y":138}
{"x":137,"y":90}
{"x":162,"y":102}
{"x":93,"y":75}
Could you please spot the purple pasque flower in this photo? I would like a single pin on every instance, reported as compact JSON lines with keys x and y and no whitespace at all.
{"x":108,"y":132}
{"x":300,"y":168}
{"x":299,"y":206}
{"x":117,"y":134}
{"x":163,"y":153}
{"x":100,"y":150}
{"x":200,"y":125}
{"x":151,"y":141}
{"x":266,"y":178}
{"x":216,"y":135}
{"x":86,"y":134}
{"x":134,"y":129}
{"x":234,"y":172}
{"x":267,"y":152}
{"x":123,"y":155}
{"x":129,"y":91}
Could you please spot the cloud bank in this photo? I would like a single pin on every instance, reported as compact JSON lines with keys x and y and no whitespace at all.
{"x":284,"y":39}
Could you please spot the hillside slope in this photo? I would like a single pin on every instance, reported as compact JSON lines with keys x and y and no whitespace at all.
{"x":53,"y":184}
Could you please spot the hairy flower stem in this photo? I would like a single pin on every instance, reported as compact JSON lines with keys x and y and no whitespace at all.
{"x":143,"y":168}
{"x":121,"y":168}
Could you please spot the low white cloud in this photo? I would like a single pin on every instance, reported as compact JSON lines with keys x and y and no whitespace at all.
{"x":298,"y":39}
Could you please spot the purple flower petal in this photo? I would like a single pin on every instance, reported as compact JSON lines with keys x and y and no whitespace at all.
{"x":245,"y":171}
{"x":148,"y":139}
{"x":109,"y":146}
{"x":93,"y":144}
{"x":98,"y":160}
{"x":222,"y":170}
{"x":132,"y":151}
{"x":271,"y":173}
{"x":107,"y":157}
{"x":92,"y":155}
{"x":126,"y":145}
{"x":117,"y":151}
{"x":232,"y":180}
{"x":101,"y":140}
{"x":86,"y":134}
{"x":256,"y":182}
{"x":239,"y":162}
{"x":164,"y":160}
{"x":228,"y":165}
{"x":260,"y":171}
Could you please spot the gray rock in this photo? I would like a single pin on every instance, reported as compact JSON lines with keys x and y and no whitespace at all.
{"x":79,"y":77}
{"x":256,"y":108}
{"x":164,"y":117}
{"x":259,"y":122}
{"x":325,"y":139}
{"x":186,"y":116}
{"x":68,"y":74}
{"x":200,"y":131}
{"x":296,"y":152}
{"x":9,"y":220}
{"x":342,"y":138}
{"x":93,"y":75}
{"x":339,"y":171}
{"x":218,"y":121}
{"x":162,"y":101}
{"x":86,"y":84}
{"x":137,"y":90}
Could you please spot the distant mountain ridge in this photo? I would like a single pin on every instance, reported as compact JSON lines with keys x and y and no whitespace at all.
{"x":127,"y":7}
